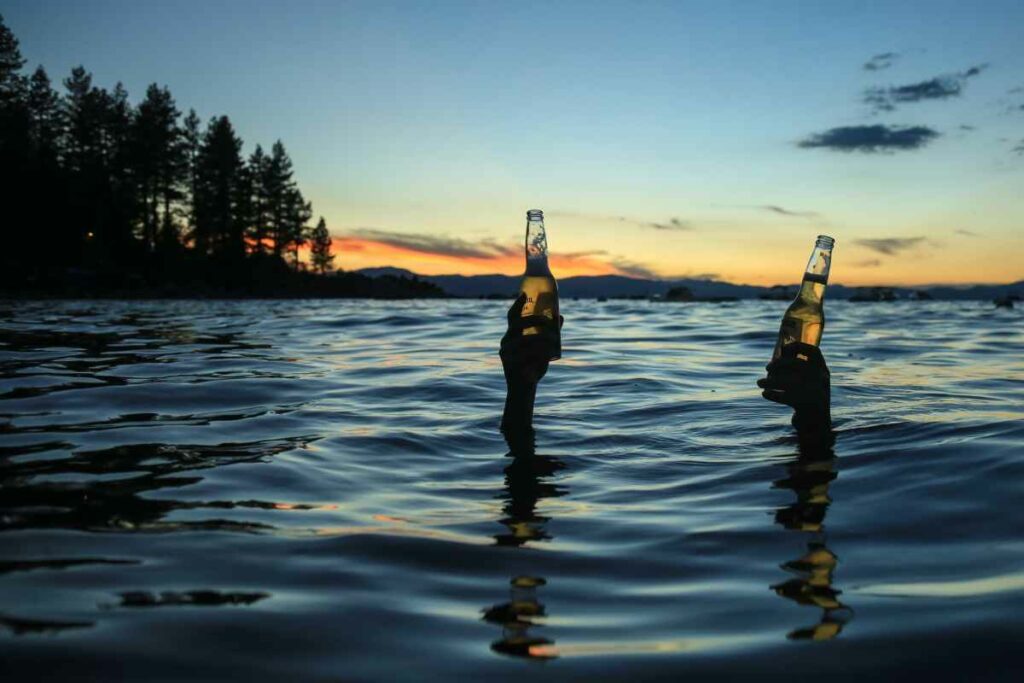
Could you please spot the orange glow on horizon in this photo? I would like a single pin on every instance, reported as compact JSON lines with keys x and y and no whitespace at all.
{"x":355,"y":253}
{"x":762,"y":267}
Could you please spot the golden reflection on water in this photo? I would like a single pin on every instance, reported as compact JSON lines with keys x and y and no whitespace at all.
{"x":526,"y":484}
{"x":810,"y":476}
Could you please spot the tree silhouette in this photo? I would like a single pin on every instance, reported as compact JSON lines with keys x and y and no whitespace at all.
{"x":218,"y":190}
{"x":320,"y":248}
{"x":96,"y":192}
{"x":159,"y":165}
{"x":259,"y":208}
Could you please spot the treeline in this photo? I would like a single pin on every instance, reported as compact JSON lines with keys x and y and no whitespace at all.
{"x":94,"y":183}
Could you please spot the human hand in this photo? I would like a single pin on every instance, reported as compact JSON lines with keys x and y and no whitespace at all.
{"x":525,"y":358}
{"x":800,"y":379}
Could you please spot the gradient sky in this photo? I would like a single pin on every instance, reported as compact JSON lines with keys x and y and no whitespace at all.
{"x":659,"y":138}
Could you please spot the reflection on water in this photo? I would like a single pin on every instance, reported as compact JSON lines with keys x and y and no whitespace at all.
{"x":527,"y":482}
{"x":176,"y":476}
{"x":810,"y":475}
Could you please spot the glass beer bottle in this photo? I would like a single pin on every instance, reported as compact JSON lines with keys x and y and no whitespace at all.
{"x":538,"y":282}
{"x":804,"y":320}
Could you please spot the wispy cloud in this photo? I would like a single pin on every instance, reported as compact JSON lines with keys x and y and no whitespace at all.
{"x":774,"y":208}
{"x":968,"y":233}
{"x":877,"y":138}
{"x":438,"y":245}
{"x":869,"y":263}
{"x":634,"y":269}
{"x":1019,"y":149}
{"x":670,"y":224}
{"x":890,"y":246}
{"x":389,"y":247}
{"x":938,"y":88}
{"x":881,"y":61}
{"x":674,"y":223}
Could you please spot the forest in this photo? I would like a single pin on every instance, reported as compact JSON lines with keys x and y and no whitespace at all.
{"x":105,"y":197}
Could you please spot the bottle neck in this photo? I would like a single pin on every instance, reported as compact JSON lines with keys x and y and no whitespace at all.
{"x":820,"y":263}
{"x":536,"y":245}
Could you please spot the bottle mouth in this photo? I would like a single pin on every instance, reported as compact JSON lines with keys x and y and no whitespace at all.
{"x":825,"y":242}
{"x":534,"y":215}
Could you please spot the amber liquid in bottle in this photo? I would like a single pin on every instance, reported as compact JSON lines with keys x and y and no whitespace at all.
{"x":804,"y":320}
{"x":538,"y":283}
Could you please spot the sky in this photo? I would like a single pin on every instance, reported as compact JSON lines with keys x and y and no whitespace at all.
{"x":661,"y":139}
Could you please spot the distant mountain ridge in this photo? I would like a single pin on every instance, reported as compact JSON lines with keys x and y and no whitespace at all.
{"x":596,"y":286}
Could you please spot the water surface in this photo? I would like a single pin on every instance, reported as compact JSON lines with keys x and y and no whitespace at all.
{"x":317,"y":490}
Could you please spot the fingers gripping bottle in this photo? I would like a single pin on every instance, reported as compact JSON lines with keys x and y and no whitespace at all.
{"x":804,"y":320}
{"x":538,"y":282}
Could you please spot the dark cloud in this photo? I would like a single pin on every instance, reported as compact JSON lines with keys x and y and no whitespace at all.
{"x":964,"y":126}
{"x":968,"y":233}
{"x":634,"y":269}
{"x":938,"y":88}
{"x":869,"y":263}
{"x":694,"y":276}
{"x":882,"y":61}
{"x":890,"y":246}
{"x":676,"y":224}
{"x":670,"y":224}
{"x":787,"y":212}
{"x":444,"y":246}
{"x":876,"y":138}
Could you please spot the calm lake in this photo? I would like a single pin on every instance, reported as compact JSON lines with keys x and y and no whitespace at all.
{"x":317,"y":490}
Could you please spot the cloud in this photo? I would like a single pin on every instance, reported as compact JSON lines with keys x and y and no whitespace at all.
{"x":439,"y":245}
{"x":964,"y":126}
{"x":787,"y":212}
{"x":671,"y":224}
{"x":938,"y":88}
{"x":674,"y":224}
{"x":968,"y":233}
{"x":634,"y":269}
{"x":881,"y":61}
{"x":1019,"y":149}
{"x":876,"y":138}
{"x":869,"y":263}
{"x":890,"y":246}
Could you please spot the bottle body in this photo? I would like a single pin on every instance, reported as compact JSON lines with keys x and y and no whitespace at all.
{"x":538,"y":283}
{"x":804,"y":320}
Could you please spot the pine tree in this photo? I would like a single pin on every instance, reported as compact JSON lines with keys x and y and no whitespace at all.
{"x":280,"y":189}
{"x":159,"y":165}
{"x":320,"y":248}
{"x":191,"y":139}
{"x":218,"y":185}
{"x":12,"y":83}
{"x":15,"y":153}
{"x":297,"y":213}
{"x":259,"y":226}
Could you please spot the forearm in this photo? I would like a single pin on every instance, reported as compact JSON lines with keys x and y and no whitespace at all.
{"x":518,"y":414}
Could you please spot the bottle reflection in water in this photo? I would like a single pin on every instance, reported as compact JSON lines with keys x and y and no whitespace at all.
{"x":804,"y":320}
{"x":538,"y":282}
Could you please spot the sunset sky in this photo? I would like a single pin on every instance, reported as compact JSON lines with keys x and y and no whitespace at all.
{"x":661,"y":139}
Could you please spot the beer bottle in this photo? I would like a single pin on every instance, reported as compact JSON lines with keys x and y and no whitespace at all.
{"x":804,"y":320}
{"x":538,"y":282}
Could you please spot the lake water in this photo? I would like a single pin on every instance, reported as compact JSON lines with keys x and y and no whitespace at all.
{"x":317,"y":490}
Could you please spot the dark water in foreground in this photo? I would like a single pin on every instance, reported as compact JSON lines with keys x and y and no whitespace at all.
{"x":318,"y":491}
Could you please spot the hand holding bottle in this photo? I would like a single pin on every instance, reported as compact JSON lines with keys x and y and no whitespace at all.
{"x":525,"y":358}
{"x":799,"y":378}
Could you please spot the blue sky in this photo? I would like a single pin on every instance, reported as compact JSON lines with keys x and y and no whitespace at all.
{"x":447,"y":121}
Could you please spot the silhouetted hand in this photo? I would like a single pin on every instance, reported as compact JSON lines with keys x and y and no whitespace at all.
{"x":525,"y":358}
{"x":799,"y":378}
